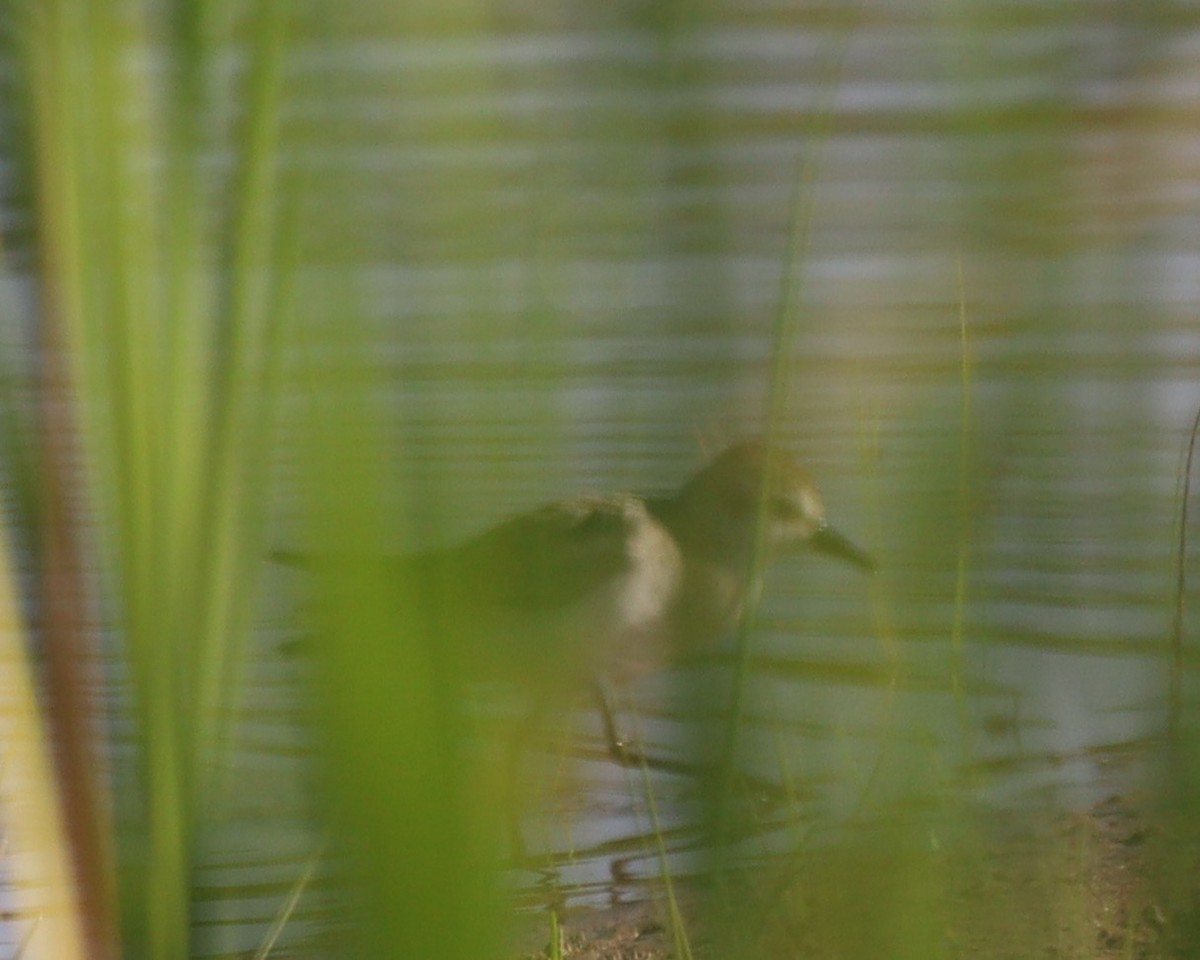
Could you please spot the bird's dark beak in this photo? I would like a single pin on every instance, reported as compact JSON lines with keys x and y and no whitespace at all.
{"x":827,"y":540}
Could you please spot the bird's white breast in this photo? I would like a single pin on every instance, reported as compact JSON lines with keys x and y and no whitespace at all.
{"x":627,"y":617}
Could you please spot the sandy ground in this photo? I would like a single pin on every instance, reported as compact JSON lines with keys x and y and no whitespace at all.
{"x":1076,"y":886}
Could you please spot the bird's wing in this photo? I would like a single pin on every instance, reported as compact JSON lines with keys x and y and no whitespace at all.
{"x":535,"y":562}
{"x":545,"y":559}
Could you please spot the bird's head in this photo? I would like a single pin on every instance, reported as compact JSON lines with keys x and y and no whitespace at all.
{"x":746,"y":484}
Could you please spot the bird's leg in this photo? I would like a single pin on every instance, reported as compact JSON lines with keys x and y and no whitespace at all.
{"x":618,"y":747}
{"x":622,"y":751}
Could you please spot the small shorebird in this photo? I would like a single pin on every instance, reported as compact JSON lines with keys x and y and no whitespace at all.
{"x":600,"y":588}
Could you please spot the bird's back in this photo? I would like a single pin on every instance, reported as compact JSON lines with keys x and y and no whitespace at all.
{"x":568,"y":590}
